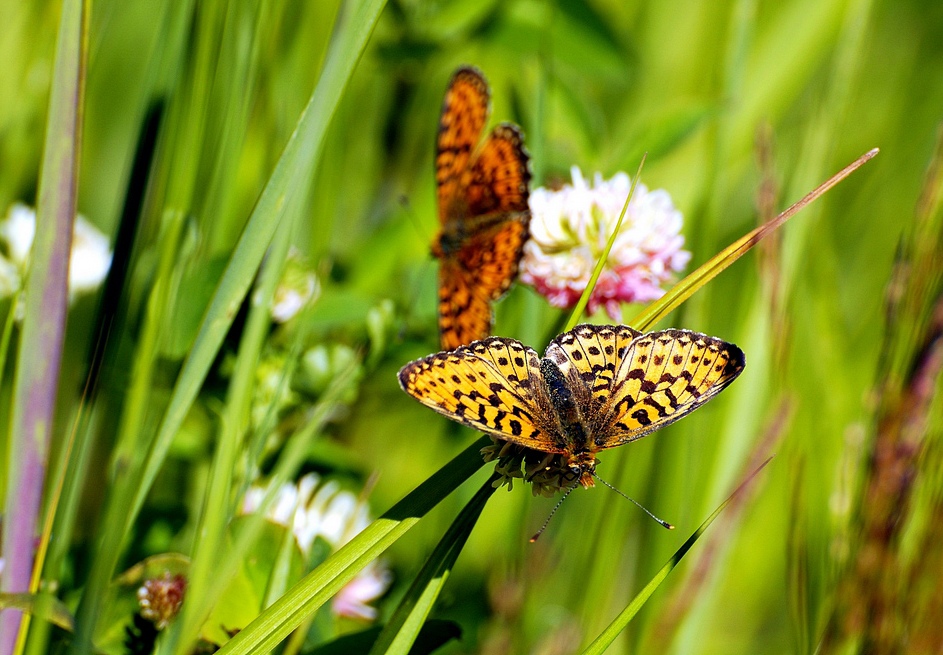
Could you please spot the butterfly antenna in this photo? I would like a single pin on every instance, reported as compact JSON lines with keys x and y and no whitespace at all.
{"x":407,"y":208}
{"x":552,"y":512}
{"x":657,"y":520}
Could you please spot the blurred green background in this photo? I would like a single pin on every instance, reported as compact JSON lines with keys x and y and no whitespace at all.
{"x":723,"y":96}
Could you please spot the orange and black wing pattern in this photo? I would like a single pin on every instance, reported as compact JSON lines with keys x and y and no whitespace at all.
{"x":482,"y":200}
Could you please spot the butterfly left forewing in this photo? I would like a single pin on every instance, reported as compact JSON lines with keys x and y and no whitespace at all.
{"x":465,"y":112}
{"x":664,"y":376}
{"x":491,"y":385}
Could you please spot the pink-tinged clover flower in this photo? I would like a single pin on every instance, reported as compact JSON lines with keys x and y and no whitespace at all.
{"x":312,"y":510}
{"x":570,"y":228}
{"x":160,"y":598}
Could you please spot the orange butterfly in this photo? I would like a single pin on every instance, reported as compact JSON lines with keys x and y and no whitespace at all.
{"x":483,"y":212}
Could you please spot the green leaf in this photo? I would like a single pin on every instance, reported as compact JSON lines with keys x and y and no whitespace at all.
{"x":42,"y":606}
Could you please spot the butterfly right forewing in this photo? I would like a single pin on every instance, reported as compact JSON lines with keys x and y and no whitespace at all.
{"x":664,"y":376}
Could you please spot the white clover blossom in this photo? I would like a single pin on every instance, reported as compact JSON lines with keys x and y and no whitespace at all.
{"x":314,"y":510}
{"x":89,"y":261}
{"x":298,"y":288}
{"x":569,"y":230}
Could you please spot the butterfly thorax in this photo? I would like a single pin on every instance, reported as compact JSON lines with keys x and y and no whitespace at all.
{"x":571,"y":430}
{"x":449,"y":241}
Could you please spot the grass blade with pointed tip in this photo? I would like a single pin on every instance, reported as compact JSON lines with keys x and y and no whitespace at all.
{"x":577,"y":312}
{"x":404,"y":626}
{"x":291,"y":172}
{"x":605,"y":639}
{"x":709,"y":270}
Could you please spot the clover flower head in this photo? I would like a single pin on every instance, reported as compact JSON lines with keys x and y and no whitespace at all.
{"x":313,"y":510}
{"x":160,"y":598}
{"x":570,"y":228}
{"x":298,"y":288}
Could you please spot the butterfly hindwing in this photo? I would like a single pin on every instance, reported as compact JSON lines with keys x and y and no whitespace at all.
{"x":491,"y":385}
{"x":664,"y":376}
{"x":475,"y":277}
{"x":499,"y":176}
{"x":464,"y":310}
{"x":592,"y":353}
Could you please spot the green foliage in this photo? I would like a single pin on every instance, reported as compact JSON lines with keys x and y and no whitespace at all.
{"x":310,"y":126}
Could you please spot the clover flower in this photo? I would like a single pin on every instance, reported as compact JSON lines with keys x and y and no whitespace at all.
{"x":570,"y":228}
{"x":89,"y":261}
{"x":160,"y":598}
{"x":313,"y":510}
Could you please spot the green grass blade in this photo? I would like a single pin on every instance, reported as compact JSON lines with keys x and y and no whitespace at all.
{"x":710,"y":269}
{"x":608,"y":636}
{"x":294,"y":167}
{"x":403,"y":628}
{"x":218,"y":506}
{"x":276,"y":622}
{"x":40,"y":349}
{"x":577,"y":312}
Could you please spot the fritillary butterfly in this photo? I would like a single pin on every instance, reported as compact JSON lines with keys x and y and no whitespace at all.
{"x":483,"y":212}
{"x":597,"y":387}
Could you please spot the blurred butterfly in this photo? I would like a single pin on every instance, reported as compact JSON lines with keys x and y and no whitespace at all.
{"x":597,"y":387}
{"x":483,"y":213}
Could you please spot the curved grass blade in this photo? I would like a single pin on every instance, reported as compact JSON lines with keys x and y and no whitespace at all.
{"x":199,"y":606}
{"x":577,"y":312}
{"x":403,"y":628}
{"x":605,"y":639}
{"x":434,"y":634}
{"x":286,"y":614}
{"x":42,"y":606}
{"x":710,"y":269}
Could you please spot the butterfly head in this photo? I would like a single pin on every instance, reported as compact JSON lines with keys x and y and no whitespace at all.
{"x":582,"y":468}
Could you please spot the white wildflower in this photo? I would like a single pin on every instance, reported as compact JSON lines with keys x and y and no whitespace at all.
{"x":88,"y":264}
{"x":325,"y":510}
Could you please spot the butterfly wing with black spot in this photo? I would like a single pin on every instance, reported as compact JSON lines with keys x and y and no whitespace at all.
{"x":592,"y":354}
{"x":664,"y":376}
{"x":483,"y":210}
{"x":465,"y":112}
{"x":471,"y":280}
{"x":493,"y":385}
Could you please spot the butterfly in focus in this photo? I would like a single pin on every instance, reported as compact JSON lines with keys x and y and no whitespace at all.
{"x":597,"y":387}
{"x":483,"y":212}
